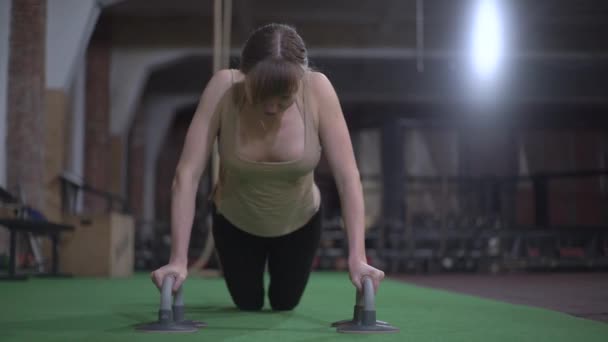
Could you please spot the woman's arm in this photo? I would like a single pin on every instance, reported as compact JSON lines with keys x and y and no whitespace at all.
{"x":192,"y":163}
{"x":338,"y":149}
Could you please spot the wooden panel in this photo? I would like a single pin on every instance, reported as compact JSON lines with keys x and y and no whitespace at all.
{"x":101,"y":246}
{"x":85,"y":251}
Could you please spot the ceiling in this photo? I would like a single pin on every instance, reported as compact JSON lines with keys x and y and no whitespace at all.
{"x":539,"y":25}
{"x":398,"y":56}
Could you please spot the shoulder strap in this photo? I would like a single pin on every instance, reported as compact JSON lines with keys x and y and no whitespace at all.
{"x":307,"y":98}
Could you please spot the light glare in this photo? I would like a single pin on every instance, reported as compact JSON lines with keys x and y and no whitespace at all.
{"x":487,"y":38}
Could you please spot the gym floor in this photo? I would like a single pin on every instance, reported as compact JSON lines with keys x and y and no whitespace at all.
{"x":87,"y":309}
{"x":579,"y":294}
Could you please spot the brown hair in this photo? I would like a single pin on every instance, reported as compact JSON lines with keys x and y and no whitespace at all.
{"x":273,"y":60}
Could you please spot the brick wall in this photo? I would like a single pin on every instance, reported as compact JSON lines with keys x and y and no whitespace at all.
{"x":137,"y":141}
{"x":26,"y":101}
{"x":117,"y":157}
{"x":571,"y":201}
{"x":98,"y":144}
{"x":56,"y":148}
{"x":166,"y":164}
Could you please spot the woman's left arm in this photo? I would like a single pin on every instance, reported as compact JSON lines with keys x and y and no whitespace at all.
{"x":338,"y":150}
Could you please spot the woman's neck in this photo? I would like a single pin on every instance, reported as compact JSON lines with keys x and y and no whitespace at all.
{"x":259,"y":121}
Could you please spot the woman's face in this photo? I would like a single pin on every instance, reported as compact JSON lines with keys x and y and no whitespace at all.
{"x":274,"y":105}
{"x":277,"y":104}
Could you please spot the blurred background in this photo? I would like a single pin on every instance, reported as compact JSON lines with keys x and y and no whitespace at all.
{"x":480,"y":128}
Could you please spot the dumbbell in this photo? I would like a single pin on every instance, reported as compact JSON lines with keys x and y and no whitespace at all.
{"x":364,"y":315}
{"x":171,"y":316}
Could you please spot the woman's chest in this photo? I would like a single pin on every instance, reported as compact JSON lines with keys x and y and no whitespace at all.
{"x":260,"y":141}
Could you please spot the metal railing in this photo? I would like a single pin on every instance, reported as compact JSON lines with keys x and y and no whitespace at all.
{"x":74,"y":191}
{"x":471,"y":222}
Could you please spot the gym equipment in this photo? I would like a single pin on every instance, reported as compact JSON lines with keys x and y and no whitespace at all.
{"x":171,"y":317}
{"x":364,"y":316}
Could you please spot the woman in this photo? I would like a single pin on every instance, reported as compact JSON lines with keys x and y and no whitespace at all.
{"x":271,"y":117}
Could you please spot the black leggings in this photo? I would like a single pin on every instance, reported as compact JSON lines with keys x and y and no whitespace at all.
{"x":243,"y":257}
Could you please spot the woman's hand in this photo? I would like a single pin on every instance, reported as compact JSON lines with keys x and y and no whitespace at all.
{"x":359,"y":269}
{"x":179,"y":271}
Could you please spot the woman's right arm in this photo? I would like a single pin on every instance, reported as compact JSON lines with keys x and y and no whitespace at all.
{"x":192,"y":163}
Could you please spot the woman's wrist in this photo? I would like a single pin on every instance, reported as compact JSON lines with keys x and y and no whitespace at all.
{"x":179,"y":260}
{"x":356,"y":257}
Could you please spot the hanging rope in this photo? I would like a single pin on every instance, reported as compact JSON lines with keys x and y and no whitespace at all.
{"x":222,"y":23}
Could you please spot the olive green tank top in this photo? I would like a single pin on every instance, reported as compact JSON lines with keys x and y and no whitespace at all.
{"x":266,"y":199}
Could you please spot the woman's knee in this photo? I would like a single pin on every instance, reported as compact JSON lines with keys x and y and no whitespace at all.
{"x":249,"y":305}
{"x":284,"y":304}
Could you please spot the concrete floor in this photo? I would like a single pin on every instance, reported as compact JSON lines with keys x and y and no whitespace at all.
{"x":583,"y":295}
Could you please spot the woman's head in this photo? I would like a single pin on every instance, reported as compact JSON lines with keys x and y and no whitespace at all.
{"x":273,"y":60}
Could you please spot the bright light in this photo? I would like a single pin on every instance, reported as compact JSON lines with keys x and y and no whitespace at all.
{"x":487,"y":38}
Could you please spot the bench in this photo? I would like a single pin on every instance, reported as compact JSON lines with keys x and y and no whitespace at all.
{"x":37,"y":227}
